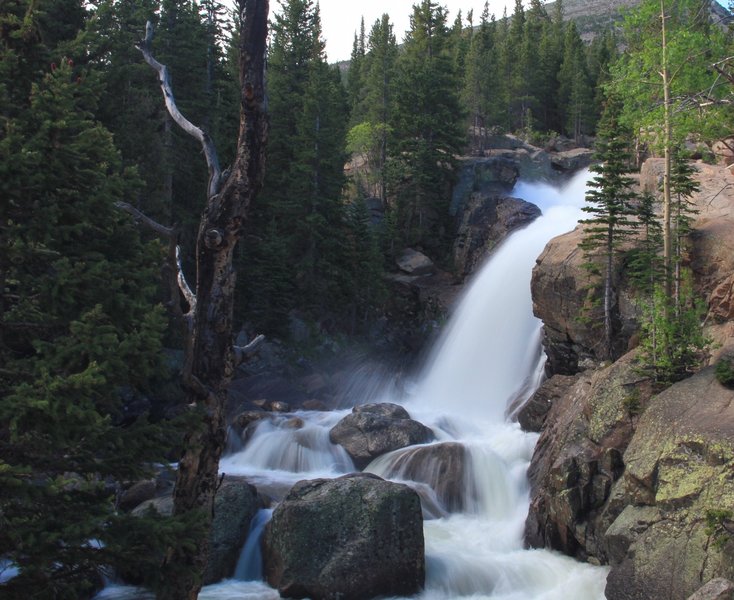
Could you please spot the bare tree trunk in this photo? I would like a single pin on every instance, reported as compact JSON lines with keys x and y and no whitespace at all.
{"x":667,"y":140}
{"x":211,"y":357}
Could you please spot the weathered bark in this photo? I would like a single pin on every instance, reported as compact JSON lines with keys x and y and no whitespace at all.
{"x":211,"y":357}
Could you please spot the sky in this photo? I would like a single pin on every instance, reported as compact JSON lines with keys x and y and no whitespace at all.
{"x":340,"y":18}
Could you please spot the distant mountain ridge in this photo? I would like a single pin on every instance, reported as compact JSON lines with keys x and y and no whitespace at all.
{"x":592,"y":16}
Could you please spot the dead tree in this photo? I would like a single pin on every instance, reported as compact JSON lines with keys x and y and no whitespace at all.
{"x":210,"y":356}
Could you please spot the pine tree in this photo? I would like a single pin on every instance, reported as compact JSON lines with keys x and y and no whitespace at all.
{"x":682,"y":187}
{"x":609,"y":201}
{"x":356,"y":76}
{"x":428,"y":127}
{"x":574,"y":92}
{"x":77,"y":323}
{"x":302,"y":198}
{"x":480,"y":74}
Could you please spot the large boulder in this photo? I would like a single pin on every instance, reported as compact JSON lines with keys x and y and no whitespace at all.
{"x":678,"y":467}
{"x":373,"y":430}
{"x":352,"y":538}
{"x":235,"y":505}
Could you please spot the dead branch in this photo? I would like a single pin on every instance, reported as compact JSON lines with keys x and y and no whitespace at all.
{"x":183,"y":285}
{"x":243,"y":353}
{"x":207,"y":144}
{"x":140,"y":217}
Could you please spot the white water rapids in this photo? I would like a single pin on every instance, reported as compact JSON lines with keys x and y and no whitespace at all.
{"x":488,"y":356}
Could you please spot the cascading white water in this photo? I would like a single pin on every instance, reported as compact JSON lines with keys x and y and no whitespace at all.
{"x":490,"y":346}
{"x":488,"y":356}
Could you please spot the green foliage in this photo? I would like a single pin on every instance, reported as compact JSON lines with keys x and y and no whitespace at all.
{"x":428,"y":129}
{"x":610,"y":204}
{"x":644,"y":263}
{"x":78,"y":321}
{"x":691,"y":50}
{"x":672,"y":341}
{"x":632,"y":403}
{"x":725,"y":371}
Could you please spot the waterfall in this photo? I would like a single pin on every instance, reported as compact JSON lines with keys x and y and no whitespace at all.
{"x":472,"y":480}
{"x":491,"y":345}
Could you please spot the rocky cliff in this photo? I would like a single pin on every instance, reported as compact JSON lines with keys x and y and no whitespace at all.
{"x":593,"y":15}
{"x":622,"y":475}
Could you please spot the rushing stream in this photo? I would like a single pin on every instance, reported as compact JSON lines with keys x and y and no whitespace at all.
{"x":488,"y":356}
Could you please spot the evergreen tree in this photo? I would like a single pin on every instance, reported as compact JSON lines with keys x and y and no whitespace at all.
{"x":356,"y":76}
{"x":429,"y":130}
{"x":302,"y":198}
{"x":379,"y":83}
{"x":609,"y":199}
{"x":480,"y":74}
{"x":665,"y":68}
{"x":682,"y":187}
{"x":574,"y":92}
{"x":77,"y":323}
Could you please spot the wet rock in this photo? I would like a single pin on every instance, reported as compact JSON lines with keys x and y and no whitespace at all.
{"x":352,"y":538}
{"x":383,"y":409}
{"x":486,"y":220}
{"x":235,"y":505}
{"x":366,"y":434}
{"x":572,"y":160}
{"x":576,"y":460}
{"x":313,"y":404}
{"x":442,"y":467}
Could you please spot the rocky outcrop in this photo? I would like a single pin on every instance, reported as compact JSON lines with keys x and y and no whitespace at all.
{"x":235,"y":505}
{"x":678,"y":467}
{"x":716,"y":589}
{"x":634,"y":491}
{"x":560,"y":283}
{"x":486,"y":221}
{"x":561,"y":299}
{"x":578,"y":457}
{"x":352,"y":538}
{"x":375,"y":429}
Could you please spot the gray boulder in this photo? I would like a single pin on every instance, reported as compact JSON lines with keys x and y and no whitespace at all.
{"x":352,"y":538}
{"x":373,"y":430}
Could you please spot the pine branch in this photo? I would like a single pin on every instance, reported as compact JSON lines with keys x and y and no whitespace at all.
{"x":207,"y":144}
